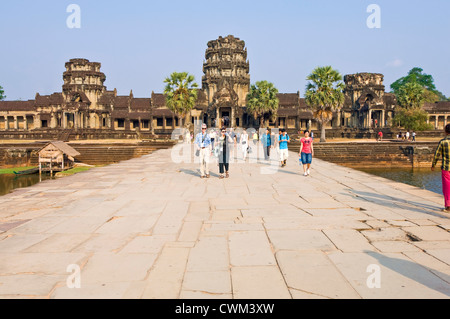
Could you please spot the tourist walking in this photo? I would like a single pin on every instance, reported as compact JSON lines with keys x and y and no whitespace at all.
{"x":255,"y":138}
{"x":413,"y":136}
{"x":407,"y":136}
{"x":306,"y":153}
{"x":443,"y":150}
{"x":203,"y":150}
{"x":244,"y":144}
{"x":212,"y":135}
{"x":224,"y":143}
{"x":380,"y":136}
{"x":266,"y":140}
{"x":283,"y":142}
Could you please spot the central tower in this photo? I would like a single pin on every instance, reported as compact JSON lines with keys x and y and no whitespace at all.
{"x":226,"y":79}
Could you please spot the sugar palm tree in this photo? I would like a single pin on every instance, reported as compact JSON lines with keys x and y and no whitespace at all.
{"x":324,"y":95}
{"x":2,"y":93}
{"x":261,"y":99}
{"x":181,"y":94}
{"x":411,"y":95}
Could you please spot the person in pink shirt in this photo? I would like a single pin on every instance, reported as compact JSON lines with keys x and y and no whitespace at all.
{"x":306,"y":153}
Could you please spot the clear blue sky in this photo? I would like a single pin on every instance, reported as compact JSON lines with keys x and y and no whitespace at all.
{"x":139,"y":43}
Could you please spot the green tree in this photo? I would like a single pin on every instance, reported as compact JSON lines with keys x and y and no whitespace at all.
{"x":181,"y":94}
{"x":412,"y":119}
{"x":262,"y":99}
{"x":324,"y":95}
{"x":430,"y":97}
{"x":409,"y":113}
{"x":2,"y":93}
{"x":411,"y":95}
{"x":416,"y":75}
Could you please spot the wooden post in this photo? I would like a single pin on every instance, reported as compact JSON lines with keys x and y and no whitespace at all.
{"x":40,"y":169}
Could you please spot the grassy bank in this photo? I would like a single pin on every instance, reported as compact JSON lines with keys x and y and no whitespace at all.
{"x":73,"y":171}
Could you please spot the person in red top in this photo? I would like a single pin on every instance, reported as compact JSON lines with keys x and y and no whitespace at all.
{"x":306,"y":152}
{"x":380,"y":136}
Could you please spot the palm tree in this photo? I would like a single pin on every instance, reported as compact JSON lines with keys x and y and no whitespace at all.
{"x":261,"y":99}
{"x":2,"y":93}
{"x":411,"y":95}
{"x":181,"y":94}
{"x":324,"y":95}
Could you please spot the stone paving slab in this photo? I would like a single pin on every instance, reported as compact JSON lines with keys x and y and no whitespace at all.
{"x":151,"y":228}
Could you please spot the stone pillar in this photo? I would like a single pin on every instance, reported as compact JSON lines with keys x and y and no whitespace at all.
{"x":436,"y":122}
{"x":164,"y":122}
{"x":233,"y":118}
{"x":218,"y":117}
{"x":37,"y":121}
{"x":16,"y":123}
{"x":383,"y":118}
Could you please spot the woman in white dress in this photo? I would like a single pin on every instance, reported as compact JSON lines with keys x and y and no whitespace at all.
{"x":244,"y":144}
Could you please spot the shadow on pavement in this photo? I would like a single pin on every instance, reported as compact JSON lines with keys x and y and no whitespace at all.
{"x":428,"y":277}
{"x":401,"y":203}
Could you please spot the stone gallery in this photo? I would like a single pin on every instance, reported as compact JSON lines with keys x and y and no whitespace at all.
{"x":86,"y":104}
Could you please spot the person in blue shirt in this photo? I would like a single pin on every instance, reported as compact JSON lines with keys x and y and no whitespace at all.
{"x":267,"y":144}
{"x":203,"y":147}
{"x":283,"y":142}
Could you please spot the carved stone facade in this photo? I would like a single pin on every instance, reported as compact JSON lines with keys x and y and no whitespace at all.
{"x":86,"y":104}
{"x":226,"y":80}
{"x":366,"y":102}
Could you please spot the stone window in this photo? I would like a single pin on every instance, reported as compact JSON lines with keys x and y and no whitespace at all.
{"x":291,"y":122}
{"x":135,"y":124}
{"x":169,"y":122}
{"x":159,"y":122}
{"x":44,"y":123}
{"x":121,"y":123}
{"x":145,"y":124}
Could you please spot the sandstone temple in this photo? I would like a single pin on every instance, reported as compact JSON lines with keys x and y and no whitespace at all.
{"x":86,"y":105}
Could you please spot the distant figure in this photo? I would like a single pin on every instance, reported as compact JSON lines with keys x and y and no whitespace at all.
{"x":407,"y":136}
{"x":413,"y":136}
{"x":312,"y":135}
{"x":266,"y":141}
{"x":224,"y":144}
{"x":283,"y":142}
{"x":380,"y":136}
{"x":443,"y":150}
{"x":306,"y":153}
{"x":255,"y":138}
{"x":212,"y":135}
{"x":244,"y":144}
{"x":203,"y":147}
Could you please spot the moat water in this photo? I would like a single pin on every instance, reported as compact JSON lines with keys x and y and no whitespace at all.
{"x":9,"y":182}
{"x":421,"y":177}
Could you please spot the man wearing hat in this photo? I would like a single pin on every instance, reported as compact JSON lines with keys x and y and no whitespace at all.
{"x":203,"y":148}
